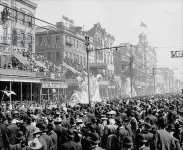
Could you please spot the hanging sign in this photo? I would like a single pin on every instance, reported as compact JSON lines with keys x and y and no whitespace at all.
{"x":176,"y":54}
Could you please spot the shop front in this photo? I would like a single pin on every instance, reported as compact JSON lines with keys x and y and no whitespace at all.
{"x":25,"y":85}
{"x":53,"y":91}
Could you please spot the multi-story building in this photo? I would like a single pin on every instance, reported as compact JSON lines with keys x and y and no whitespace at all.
{"x":65,"y":46}
{"x":21,"y":70}
{"x":102,"y":39}
{"x":103,"y":63}
{"x":17,"y":36}
{"x":148,"y":63}
{"x":166,"y":81}
{"x":135,"y":64}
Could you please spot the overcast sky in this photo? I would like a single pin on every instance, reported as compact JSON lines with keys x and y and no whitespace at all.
{"x":122,"y":18}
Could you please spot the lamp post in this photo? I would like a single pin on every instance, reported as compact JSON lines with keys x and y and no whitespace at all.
{"x":87,"y":43}
{"x":131,"y":76}
{"x":154,"y":80}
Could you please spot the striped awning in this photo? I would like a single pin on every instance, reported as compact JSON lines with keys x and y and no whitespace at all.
{"x":19,"y":79}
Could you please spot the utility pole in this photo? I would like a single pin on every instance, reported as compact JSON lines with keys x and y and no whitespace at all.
{"x":87,"y":43}
{"x":131,"y":76}
{"x":154,"y":80}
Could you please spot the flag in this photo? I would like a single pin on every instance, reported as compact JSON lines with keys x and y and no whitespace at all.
{"x":8,"y":93}
{"x":142,"y":24}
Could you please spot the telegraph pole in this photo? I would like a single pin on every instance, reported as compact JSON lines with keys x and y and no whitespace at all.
{"x":131,"y":76}
{"x":87,"y":43}
{"x":154,"y":80}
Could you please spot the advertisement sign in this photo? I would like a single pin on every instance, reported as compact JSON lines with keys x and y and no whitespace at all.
{"x":55,"y":85}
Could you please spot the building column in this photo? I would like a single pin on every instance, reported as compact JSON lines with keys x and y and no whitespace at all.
{"x":58,"y":95}
{"x":21,"y":91}
{"x":40,"y":96}
{"x":48,"y":94}
{"x":31,"y":91}
{"x":10,"y":90}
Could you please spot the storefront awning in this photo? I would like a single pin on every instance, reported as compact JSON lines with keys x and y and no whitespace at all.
{"x":17,"y":79}
{"x":70,"y":68}
{"x":56,"y":85}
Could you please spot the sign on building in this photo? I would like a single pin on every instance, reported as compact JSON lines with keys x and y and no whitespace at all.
{"x":176,"y":54}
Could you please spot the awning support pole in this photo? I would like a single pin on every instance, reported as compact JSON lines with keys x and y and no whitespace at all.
{"x":21,"y":91}
{"x":40,"y":98}
{"x":58,"y":95}
{"x":48,"y":94}
{"x":10,"y":90}
{"x":31,"y":91}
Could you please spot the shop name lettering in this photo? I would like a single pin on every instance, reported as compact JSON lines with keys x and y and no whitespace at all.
{"x":175,"y":54}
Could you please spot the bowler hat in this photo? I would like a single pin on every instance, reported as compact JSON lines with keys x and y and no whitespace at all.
{"x":93,"y":138}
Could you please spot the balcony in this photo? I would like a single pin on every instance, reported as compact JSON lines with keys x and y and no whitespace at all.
{"x":16,"y":72}
{"x":48,"y":75}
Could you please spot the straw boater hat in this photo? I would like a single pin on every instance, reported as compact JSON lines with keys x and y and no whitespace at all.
{"x":58,"y":121}
{"x":35,"y":145}
{"x":37,"y":131}
{"x":112,"y":112}
{"x":79,"y":121}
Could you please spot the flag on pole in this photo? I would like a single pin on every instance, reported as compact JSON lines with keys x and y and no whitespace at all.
{"x":142,"y":24}
{"x":8,"y":93}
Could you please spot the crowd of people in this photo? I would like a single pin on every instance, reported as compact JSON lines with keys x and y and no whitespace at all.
{"x":32,"y":65}
{"x":139,"y":123}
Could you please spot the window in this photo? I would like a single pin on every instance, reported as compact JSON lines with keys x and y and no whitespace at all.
{"x":22,"y":35}
{"x":66,"y":54}
{"x":57,"y":56}
{"x":48,"y":40}
{"x":85,"y":61}
{"x":14,"y":37}
{"x":66,"y":39}
{"x":57,"y":41}
{"x":70,"y":55}
{"x":21,"y":17}
{"x":105,"y":58}
{"x":49,"y":55}
{"x":44,"y":41}
{"x":77,"y":43}
{"x":81,"y":60}
{"x":40,"y":40}
{"x":28,"y":20}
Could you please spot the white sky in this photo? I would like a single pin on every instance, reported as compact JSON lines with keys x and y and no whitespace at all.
{"x":122,"y":18}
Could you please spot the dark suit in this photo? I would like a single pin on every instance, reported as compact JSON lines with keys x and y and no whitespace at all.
{"x":71,"y":145}
{"x":4,"y":141}
{"x":54,"y":139}
{"x":12,"y":132}
{"x":61,"y":133}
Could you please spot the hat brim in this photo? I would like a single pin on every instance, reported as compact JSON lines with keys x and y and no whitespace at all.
{"x":104,"y":118}
{"x":92,"y":141}
{"x":37,"y":147}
